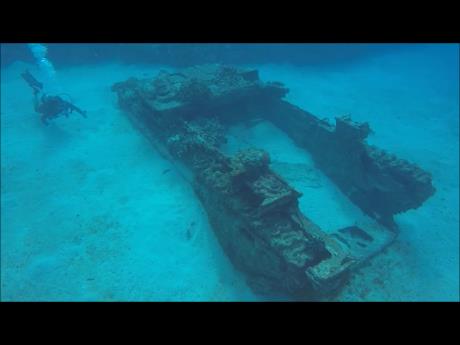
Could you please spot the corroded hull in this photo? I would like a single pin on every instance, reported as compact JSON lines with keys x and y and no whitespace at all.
{"x":253,"y":211}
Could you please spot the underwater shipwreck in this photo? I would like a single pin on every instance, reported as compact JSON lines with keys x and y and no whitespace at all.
{"x":253,"y":211}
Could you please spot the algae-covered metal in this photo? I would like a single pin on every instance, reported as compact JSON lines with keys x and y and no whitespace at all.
{"x":253,"y":211}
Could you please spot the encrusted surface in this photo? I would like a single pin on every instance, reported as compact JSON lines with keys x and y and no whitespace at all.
{"x":253,"y":211}
{"x":381,"y":184}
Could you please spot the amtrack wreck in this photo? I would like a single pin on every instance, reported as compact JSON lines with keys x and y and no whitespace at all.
{"x":253,"y":211}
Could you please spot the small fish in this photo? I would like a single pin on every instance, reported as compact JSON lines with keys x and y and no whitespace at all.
{"x":189,"y":232}
{"x":165,"y":171}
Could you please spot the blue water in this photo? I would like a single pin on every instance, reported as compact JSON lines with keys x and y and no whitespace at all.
{"x":89,"y":214}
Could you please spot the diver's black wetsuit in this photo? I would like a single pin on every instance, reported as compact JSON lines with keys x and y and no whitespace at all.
{"x":53,"y":106}
{"x":49,"y":106}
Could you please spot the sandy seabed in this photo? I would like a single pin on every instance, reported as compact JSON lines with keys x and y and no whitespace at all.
{"x":91,"y":212}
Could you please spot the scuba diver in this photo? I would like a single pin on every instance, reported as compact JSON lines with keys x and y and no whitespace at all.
{"x":49,"y":107}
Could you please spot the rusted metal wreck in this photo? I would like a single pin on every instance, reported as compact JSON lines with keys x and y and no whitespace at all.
{"x":253,"y":211}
